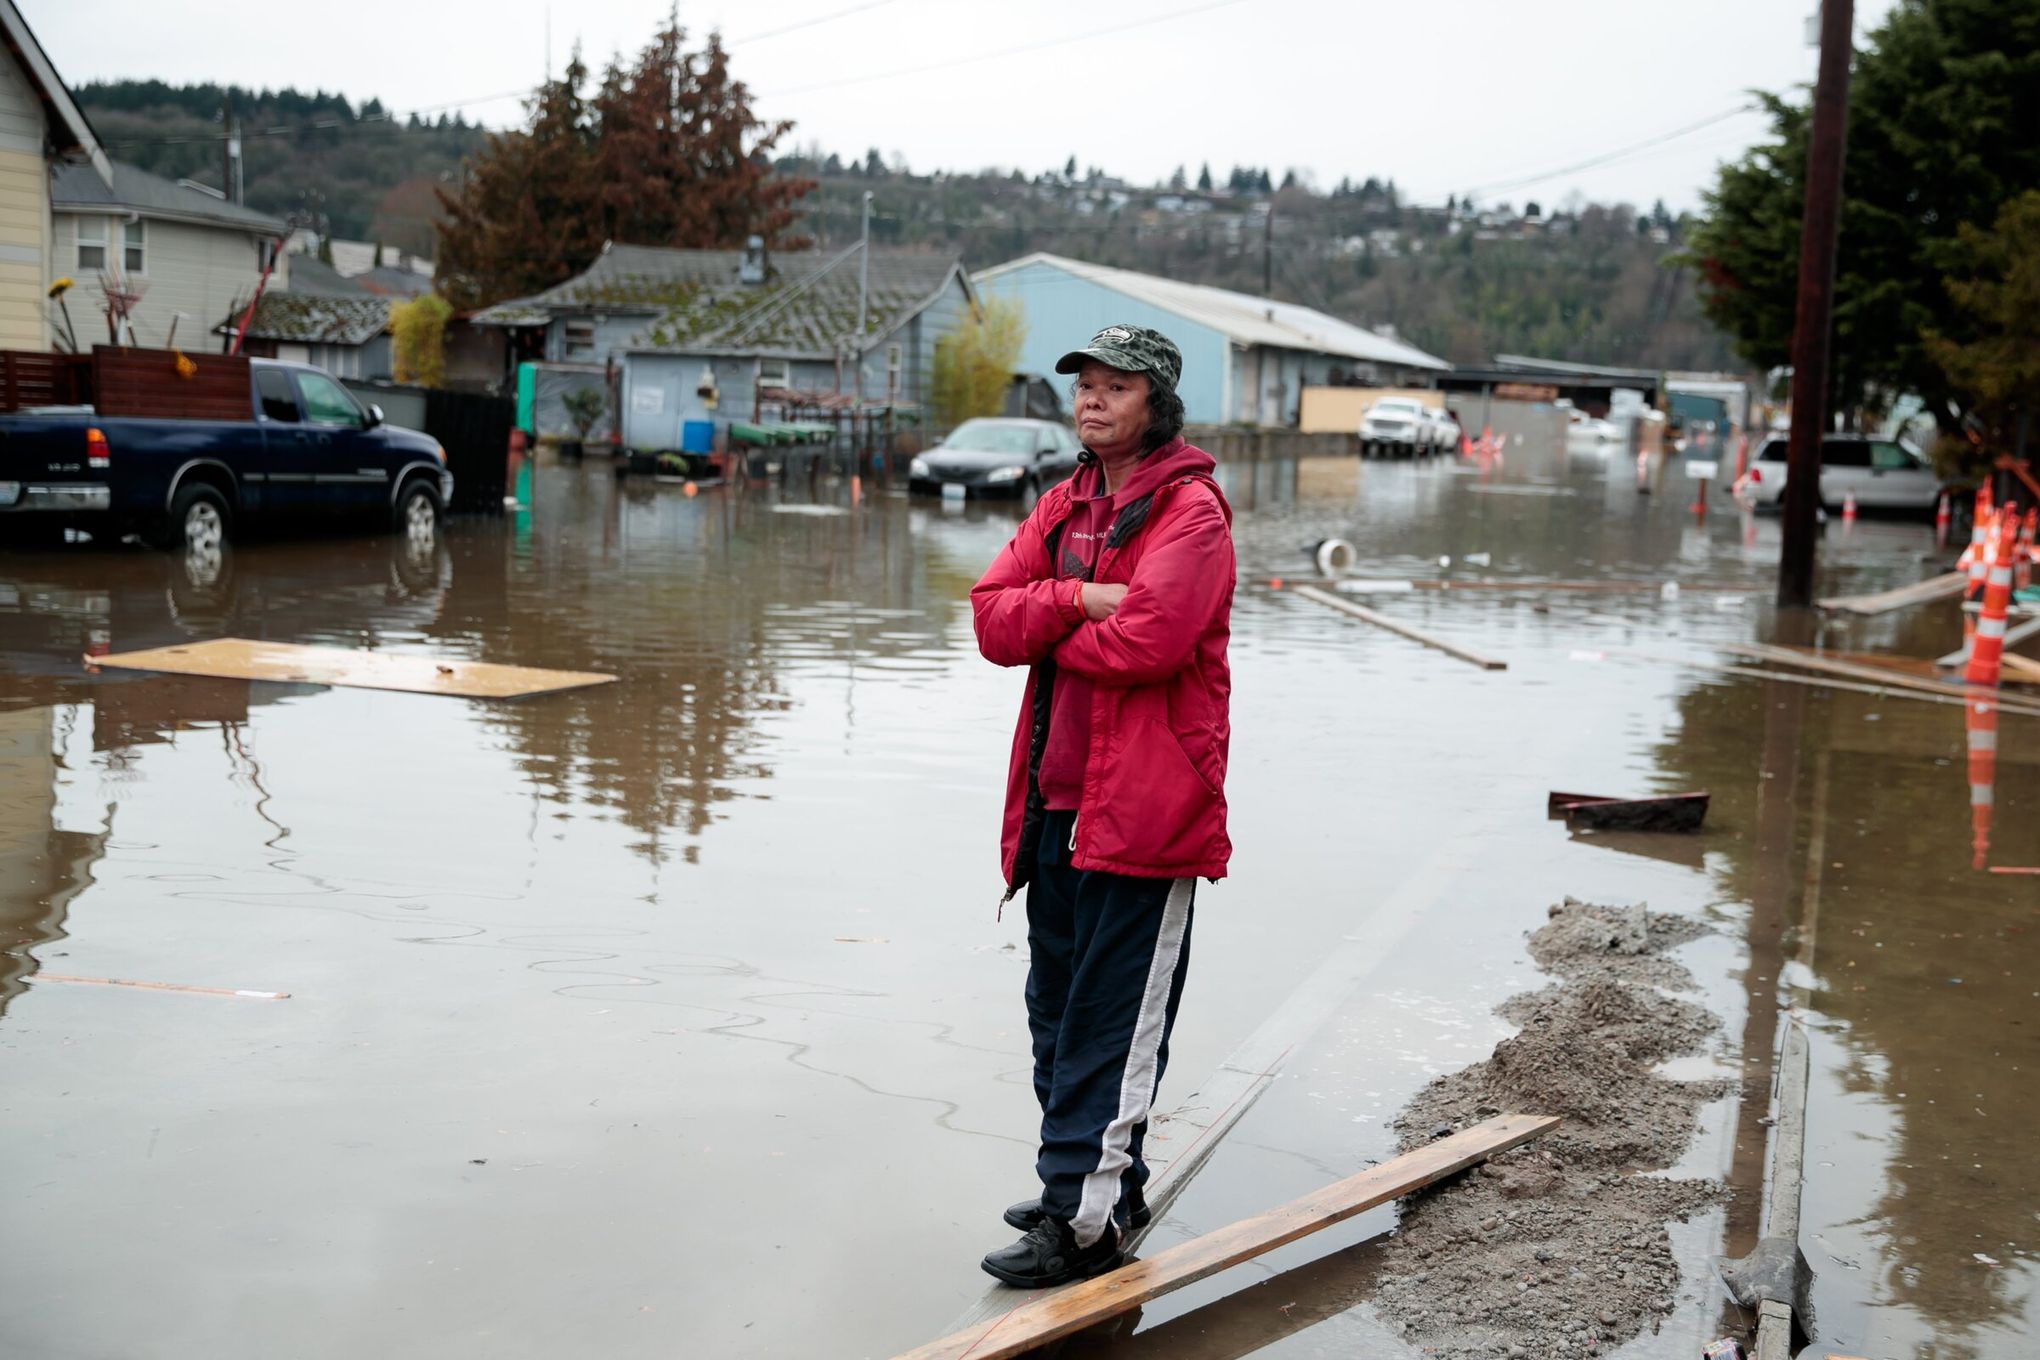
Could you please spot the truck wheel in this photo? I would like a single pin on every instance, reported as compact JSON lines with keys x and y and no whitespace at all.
{"x":199,"y":519}
{"x":416,"y":514}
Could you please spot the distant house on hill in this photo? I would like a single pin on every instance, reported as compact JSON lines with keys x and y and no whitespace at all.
{"x":748,"y":322}
{"x":1246,"y":359}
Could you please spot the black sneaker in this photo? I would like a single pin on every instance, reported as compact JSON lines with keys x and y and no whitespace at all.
{"x":1027,"y":1213}
{"x":1049,"y":1255}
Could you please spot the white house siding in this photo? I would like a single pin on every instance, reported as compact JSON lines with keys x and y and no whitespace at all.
{"x":198,"y":270}
{"x":24,"y":213}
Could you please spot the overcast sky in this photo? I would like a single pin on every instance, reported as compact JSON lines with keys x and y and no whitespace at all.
{"x":1442,"y":96}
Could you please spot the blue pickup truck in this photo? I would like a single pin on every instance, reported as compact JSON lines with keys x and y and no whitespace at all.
{"x":307,"y":448}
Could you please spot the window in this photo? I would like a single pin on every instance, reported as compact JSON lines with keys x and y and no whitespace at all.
{"x":774,"y":373}
{"x":1886,"y":456}
{"x":278,"y":401}
{"x":92,"y":243}
{"x":327,"y":402}
{"x":1845,"y":453}
{"x":134,"y":237}
{"x":580,"y":340}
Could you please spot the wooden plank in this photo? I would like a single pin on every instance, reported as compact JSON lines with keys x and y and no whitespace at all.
{"x":2016,"y":634}
{"x":1944,"y":587}
{"x":1045,"y":1317}
{"x":1881,"y":690}
{"x":1380,"y":620}
{"x":1814,"y":661}
{"x":242,"y":659}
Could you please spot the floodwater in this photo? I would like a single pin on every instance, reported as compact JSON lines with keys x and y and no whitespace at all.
{"x":673,"y":1017}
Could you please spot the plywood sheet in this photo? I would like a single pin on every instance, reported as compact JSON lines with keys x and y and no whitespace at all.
{"x":289,"y":663}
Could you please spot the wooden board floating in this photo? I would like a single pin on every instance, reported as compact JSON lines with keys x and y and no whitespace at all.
{"x":1379,"y":620}
{"x":1884,"y":602}
{"x":289,"y":663}
{"x":1056,"y":1313}
{"x":1593,"y":812}
{"x":242,"y":992}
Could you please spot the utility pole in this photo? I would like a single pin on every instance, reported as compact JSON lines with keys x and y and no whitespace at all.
{"x":227,"y":146}
{"x":1268,"y":251}
{"x":1814,"y":319}
{"x":863,"y":291}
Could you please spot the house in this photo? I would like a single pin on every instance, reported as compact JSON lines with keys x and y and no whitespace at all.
{"x":1246,"y":359}
{"x":184,"y":250}
{"x":321,"y":318}
{"x":40,"y":126}
{"x":739,"y":323}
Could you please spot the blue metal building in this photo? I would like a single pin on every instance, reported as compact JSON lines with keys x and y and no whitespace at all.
{"x":1246,"y":360}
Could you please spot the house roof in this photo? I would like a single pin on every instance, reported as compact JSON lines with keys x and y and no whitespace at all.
{"x":69,"y":131}
{"x":314,"y":319}
{"x":1241,"y":317}
{"x":389,"y":281}
{"x":692,"y":300}
{"x":78,"y":188}
{"x":312,"y":277}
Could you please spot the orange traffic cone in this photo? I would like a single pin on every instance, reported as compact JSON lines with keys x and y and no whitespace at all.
{"x":1848,"y":507}
{"x":1986,"y":656}
{"x":1976,"y":557}
{"x":1979,"y":718}
{"x":1943,"y":517}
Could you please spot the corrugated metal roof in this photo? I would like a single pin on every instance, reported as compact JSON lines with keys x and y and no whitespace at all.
{"x":692,"y":300}
{"x":75,"y":187}
{"x":1241,"y":317}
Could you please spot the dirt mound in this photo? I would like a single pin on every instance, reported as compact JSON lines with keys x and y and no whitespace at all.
{"x":1559,"y":1248}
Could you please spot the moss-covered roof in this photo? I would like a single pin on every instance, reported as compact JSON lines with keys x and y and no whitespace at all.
{"x":692,"y":300}
{"x":314,"y":320}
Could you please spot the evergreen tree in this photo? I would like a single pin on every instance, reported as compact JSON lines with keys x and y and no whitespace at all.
{"x":1204,"y":178}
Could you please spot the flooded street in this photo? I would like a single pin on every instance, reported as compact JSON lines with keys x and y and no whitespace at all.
{"x":673,"y":1017}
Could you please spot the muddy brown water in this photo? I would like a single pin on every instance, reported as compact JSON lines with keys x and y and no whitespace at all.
{"x":673,"y":1018}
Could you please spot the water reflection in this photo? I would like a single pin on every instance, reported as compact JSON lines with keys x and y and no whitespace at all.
{"x":42,"y":867}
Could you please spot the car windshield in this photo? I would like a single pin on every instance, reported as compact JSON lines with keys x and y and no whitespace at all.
{"x":991,"y":436}
{"x":1396,"y":408}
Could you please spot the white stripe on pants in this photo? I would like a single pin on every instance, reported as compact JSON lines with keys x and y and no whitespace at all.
{"x":1137,"y":1084}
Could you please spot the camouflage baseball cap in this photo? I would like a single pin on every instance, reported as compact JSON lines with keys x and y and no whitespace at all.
{"x":1131,"y":349}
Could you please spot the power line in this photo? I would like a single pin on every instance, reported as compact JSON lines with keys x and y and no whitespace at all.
{"x":1020,"y":50}
{"x":808,"y":23}
{"x":1617,"y":154}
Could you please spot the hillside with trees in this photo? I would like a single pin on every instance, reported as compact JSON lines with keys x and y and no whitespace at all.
{"x":1586,"y":282}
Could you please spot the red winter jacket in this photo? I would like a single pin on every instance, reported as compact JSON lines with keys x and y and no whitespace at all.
{"x":1153,"y":802}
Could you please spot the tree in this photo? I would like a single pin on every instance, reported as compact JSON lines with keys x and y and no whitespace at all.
{"x":1943,"y":102}
{"x":1996,"y":374}
{"x":1204,"y":178}
{"x":418,"y":340}
{"x":1070,"y":170}
{"x":666,"y":152}
{"x":974,"y":363}
{"x":1178,"y":181}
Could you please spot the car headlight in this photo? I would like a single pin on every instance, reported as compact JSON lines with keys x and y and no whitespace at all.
{"x":1006,"y":474}
{"x":918,"y":468}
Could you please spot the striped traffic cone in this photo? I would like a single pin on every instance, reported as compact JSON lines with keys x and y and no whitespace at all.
{"x":1986,"y":655}
{"x":1979,"y":718}
{"x":1976,"y":557}
{"x":1848,"y":507}
{"x":1943,"y":517}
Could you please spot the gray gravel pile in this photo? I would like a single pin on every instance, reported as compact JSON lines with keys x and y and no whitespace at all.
{"x":1559,"y":1248}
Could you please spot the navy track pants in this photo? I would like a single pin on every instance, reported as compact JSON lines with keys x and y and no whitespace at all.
{"x":1108,"y":954}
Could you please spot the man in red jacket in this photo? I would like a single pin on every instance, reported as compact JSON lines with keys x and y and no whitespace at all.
{"x":1117,"y":593}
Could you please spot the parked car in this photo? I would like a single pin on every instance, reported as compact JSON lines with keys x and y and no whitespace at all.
{"x":1400,"y":426}
{"x":1883,"y":474}
{"x":307,"y":448}
{"x":996,"y":457}
{"x":1445,"y":432}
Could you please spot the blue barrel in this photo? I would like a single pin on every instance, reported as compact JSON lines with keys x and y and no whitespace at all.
{"x":697,"y":436}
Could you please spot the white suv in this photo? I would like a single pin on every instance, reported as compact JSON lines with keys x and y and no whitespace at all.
{"x":1881,"y":474}
{"x":1399,"y":425}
